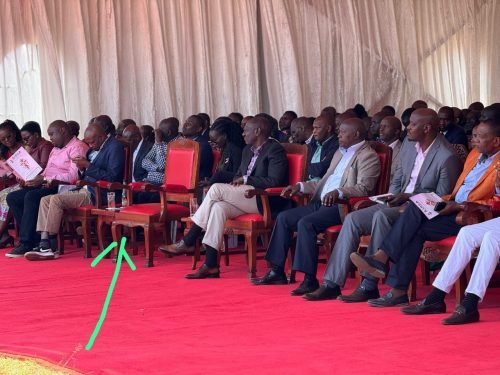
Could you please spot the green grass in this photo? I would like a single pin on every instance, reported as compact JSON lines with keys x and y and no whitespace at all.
{"x":21,"y":366}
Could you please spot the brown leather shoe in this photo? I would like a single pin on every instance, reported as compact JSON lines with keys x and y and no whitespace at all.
{"x":177,"y":248}
{"x":460,"y":316}
{"x":204,"y":272}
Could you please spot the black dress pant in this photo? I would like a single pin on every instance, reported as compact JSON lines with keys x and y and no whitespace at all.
{"x":307,"y":221}
{"x":405,"y":241}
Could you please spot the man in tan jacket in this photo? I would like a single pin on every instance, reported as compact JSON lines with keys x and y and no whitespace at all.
{"x":354,"y":171}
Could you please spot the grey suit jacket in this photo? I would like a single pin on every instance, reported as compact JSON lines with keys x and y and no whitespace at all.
{"x":439,"y":171}
{"x":359,"y":178}
{"x":395,"y":157}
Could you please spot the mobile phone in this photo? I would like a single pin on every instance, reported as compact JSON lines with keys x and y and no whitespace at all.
{"x":439,"y":206}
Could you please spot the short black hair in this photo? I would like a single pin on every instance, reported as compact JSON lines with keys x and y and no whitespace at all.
{"x":389,"y":109}
{"x":106,"y":123}
{"x":32,"y":127}
{"x":9,"y":125}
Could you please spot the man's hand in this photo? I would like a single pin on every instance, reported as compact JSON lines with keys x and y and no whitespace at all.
{"x":330,"y":198}
{"x":497,"y":182}
{"x":37,"y":181}
{"x":451,"y":208}
{"x":158,"y":136}
{"x":238,"y":181}
{"x":81,"y":162}
{"x":290,"y":191}
{"x":203,"y":183}
{"x":398,"y":199}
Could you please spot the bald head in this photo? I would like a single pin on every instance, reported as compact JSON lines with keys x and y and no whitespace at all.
{"x":390,"y":129}
{"x":351,"y":132}
{"x":424,"y":126}
{"x":95,"y":136}
{"x":169,"y":128}
{"x":132,"y":135}
{"x":59,"y":133}
{"x":417,"y":104}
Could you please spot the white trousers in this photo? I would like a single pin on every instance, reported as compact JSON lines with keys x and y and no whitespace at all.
{"x":485,"y":236}
{"x":222,"y":202}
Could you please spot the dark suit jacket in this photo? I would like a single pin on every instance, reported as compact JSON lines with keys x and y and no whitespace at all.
{"x":439,"y":171}
{"x":456,"y":135}
{"x":228,"y":165}
{"x":270,"y":170}
{"x":318,"y":170}
{"x":139,"y":172}
{"x":108,"y":165}
{"x":206,"y":157}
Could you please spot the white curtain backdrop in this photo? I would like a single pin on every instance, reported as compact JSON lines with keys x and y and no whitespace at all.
{"x":150,"y":59}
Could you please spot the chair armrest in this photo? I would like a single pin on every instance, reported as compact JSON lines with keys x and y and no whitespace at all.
{"x":110,"y":185}
{"x":363,"y":204}
{"x":82,"y":183}
{"x":256,"y":192}
{"x":473,"y":213}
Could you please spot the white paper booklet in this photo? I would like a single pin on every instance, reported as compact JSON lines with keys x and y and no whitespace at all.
{"x":382,"y":198}
{"x":24,"y":165}
{"x":426,"y":203}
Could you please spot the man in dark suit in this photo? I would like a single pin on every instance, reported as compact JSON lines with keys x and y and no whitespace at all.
{"x":139,"y":148}
{"x":324,"y":144}
{"x":427,"y":164}
{"x":354,"y":171}
{"x":193,"y":127}
{"x":263,"y":165}
{"x":104,"y":161}
{"x":453,"y":133}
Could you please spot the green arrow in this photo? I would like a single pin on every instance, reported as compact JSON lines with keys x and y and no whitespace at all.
{"x":122,"y":253}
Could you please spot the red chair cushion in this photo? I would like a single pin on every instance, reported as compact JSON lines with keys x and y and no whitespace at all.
{"x":334,"y":228}
{"x":448,"y":241}
{"x":216,"y":155}
{"x":180,"y":167}
{"x":151,"y":209}
{"x":249,"y":217}
{"x":295,"y":164}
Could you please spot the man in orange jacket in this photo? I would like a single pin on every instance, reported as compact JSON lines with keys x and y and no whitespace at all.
{"x":404,"y":243}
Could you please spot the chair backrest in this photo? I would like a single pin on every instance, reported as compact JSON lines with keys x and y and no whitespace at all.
{"x":385,"y":155}
{"x":297,"y":162}
{"x":127,"y":162}
{"x":216,"y":154}
{"x":182,"y":165}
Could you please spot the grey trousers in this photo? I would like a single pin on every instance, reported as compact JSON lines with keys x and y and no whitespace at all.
{"x":376,"y":220}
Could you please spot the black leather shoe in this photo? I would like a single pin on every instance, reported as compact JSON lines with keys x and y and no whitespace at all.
{"x":323,"y":293}
{"x":460,"y":316}
{"x":271,"y":278}
{"x":305,"y":286}
{"x":422,"y":309}
{"x":369,"y":265}
{"x":204,"y":272}
{"x":388,"y":300}
{"x":360,"y":295}
{"x":176,"y":248}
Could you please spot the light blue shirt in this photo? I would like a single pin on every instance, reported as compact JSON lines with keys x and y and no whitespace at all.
{"x":472,"y":178}
{"x":333,"y":181}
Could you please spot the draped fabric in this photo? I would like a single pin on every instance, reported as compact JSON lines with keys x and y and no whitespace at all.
{"x":151,"y":59}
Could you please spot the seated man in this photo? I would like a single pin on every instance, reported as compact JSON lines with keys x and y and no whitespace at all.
{"x":285,"y":124}
{"x":192,"y":129}
{"x":428,"y":163}
{"x":139,"y":148}
{"x":263,"y":165}
{"x":325,"y":143}
{"x":484,"y":236}
{"x":353,"y":171}
{"x":301,"y":130}
{"x":389,"y":133}
{"x":154,"y":161}
{"x":24,"y":203}
{"x":452,"y":132}
{"x":104,"y":161}
{"x":375,"y":125}
{"x":404,"y":242}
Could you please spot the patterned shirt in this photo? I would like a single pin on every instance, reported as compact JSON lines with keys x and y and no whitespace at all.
{"x":154,"y":162}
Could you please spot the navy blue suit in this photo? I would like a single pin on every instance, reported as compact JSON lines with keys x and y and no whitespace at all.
{"x":206,"y":157}
{"x":456,"y":135}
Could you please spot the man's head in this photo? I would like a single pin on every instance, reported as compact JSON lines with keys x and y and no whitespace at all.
{"x":472,"y":118}
{"x":491,"y":112}
{"x":122,"y":125}
{"x":351,"y":131}
{"x":105,"y":123}
{"x":147,"y":133}
{"x":74,"y":128}
{"x":31,"y":133}
{"x":323,"y":128}
{"x":245,"y":120}
{"x":95,"y":136}
{"x":476,"y":106}
{"x":418,"y":104}
{"x":285,"y":122}
{"x":169,"y":127}
{"x":59,"y":134}
{"x":424,"y":125}
{"x":487,"y":140}
{"x":375,"y":125}
{"x":193,"y":126}
{"x":390,"y":129}
{"x":301,"y":129}
{"x":341,"y":117}
{"x":257,"y":130}
{"x":206,"y":120}
{"x":132,"y":135}
{"x":405,"y":116}
{"x":388,"y":110}
{"x":236,"y":117}
{"x":360,"y":111}
{"x":446,"y":118}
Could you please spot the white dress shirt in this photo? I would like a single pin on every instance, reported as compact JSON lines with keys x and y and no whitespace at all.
{"x":134,"y":156}
{"x":419,"y":161}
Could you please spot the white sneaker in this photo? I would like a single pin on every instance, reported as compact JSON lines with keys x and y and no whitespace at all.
{"x":42,"y":254}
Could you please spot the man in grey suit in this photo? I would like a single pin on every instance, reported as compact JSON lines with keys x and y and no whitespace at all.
{"x":390,"y":131}
{"x":428,"y":164}
{"x":353,"y":171}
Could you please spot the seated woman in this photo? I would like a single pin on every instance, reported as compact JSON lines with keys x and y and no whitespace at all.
{"x":226,"y":135}
{"x":37,"y":146}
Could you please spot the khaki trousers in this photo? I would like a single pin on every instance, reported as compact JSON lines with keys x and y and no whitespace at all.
{"x":222,"y":202}
{"x":52,"y":209}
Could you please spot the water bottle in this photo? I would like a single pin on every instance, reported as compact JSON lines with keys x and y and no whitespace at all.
{"x":124,"y":198}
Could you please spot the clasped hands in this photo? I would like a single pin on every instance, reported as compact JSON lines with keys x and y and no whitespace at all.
{"x":328,"y":200}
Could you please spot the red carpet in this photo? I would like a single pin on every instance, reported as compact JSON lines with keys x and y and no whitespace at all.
{"x":160,"y":323}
